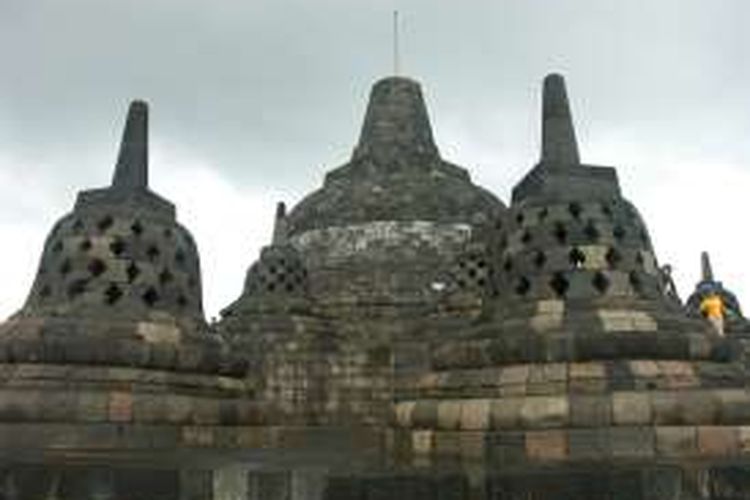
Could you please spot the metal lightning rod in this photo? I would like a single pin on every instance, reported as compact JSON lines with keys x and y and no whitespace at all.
{"x":396,"y":62}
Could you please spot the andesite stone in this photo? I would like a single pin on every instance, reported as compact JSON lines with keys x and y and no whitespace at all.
{"x":403,"y":334}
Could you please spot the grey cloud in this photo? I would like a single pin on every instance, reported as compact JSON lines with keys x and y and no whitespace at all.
{"x":271,"y":93}
{"x":270,"y":90}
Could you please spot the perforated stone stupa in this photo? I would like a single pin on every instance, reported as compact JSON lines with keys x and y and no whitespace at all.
{"x":404,"y":334}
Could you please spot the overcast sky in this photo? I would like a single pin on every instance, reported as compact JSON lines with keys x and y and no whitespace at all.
{"x":252,"y":101}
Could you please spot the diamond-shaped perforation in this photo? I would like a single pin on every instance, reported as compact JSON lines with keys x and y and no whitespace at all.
{"x":540,"y":258}
{"x":613,"y":257}
{"x":104,"y":223}
{"x":153,"y":252}
{"x":520,"y":218}
{"x":591,"y":232}
{"x":635,"y":281}
{"x":150,"y":296}
{"x":97,"y":267}
{"x":576,"y":257}
{"x":523,"y":286}
{"x":166,"y":276}
{"x":77,"y":226}
{"x":601,"y":282}
{"x":560,"y":233}
{"x":65,"y":267}
{"x":77,"y":287}
{"x":559,"y":284}
{"x":112,"y":294}
{"x":117,"y":246}
{"x":137,"y":228}
{"x":132,"y":272}
{"x":575,"y":210}
{"x":526,"y":237}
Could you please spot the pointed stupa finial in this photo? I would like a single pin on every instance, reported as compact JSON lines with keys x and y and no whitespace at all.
{"x":279,"y":225}
{"x":558,"y":135}
{"x":131,"y":171}
{"x":396,"y":121}
{"x":707,"y":273}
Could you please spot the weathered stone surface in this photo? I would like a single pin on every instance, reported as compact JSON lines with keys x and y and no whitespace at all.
{"x":546,"y":445}
{"x":401,"y":324}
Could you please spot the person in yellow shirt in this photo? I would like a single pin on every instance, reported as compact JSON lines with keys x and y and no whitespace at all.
{"x":713,"y":309}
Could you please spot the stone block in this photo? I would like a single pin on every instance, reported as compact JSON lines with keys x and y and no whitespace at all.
{"x":733,"y":405}
{"x":16,"y":406}
{"x":666,"y":408}
{"x":595,"y":256}
{"x":515,"y":377}
{"x":643,"y":322}
{"x":422,"y":442}
{"x":615,"y":320}
{"x":205,"y":411}
{"x":92,"y":406}
{"x":546,"y":445}
{"x":718,"y":441}
{"x":178,"y":408}
{"x":644,"y":368}
{"x":400,"y":442}
{"x":475,"y":414}
{"x":588,"y":444}
{"x":544,"y":412}
{"x":676,"y":441}
{"x":555,"y":372}
{"x":590,"y":410}
{"x":403,"y":413}
{"x":449,"y":415}
{"x":447,"y":443}
{"x":158,"y":333}
{"x":547,"y":378}
{"x":506,"y":413}
{"x":197,"y":436}
{"x":424,"y":414}
{"x":587,"y":377}
{"x":699,"y":346}
{"x":678,"y":374}
{"x":52,"y":406}
{"x":699,"y":407}
{"x":473,"y":445}
{"x":632,"y":442}
{"x":743,"y":439}
{"x":148,"y":408}
{"x":550,"y":307}
{"x":196,"y":484}
{"x":506,"y":448}
{"x":631,"y":408}
{"x":120,"y":407}
{"x":546,"y":322}
{"x":619,"y":375}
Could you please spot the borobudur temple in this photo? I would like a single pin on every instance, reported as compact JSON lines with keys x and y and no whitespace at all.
{"x":404,"y":334}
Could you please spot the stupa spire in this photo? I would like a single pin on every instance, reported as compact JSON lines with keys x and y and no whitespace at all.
{"x":131,"y":171}
{"x":707,"y":273}
{"x":279,"y":225}
{"x":396,"y":121}
{"x":558,"y":135}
